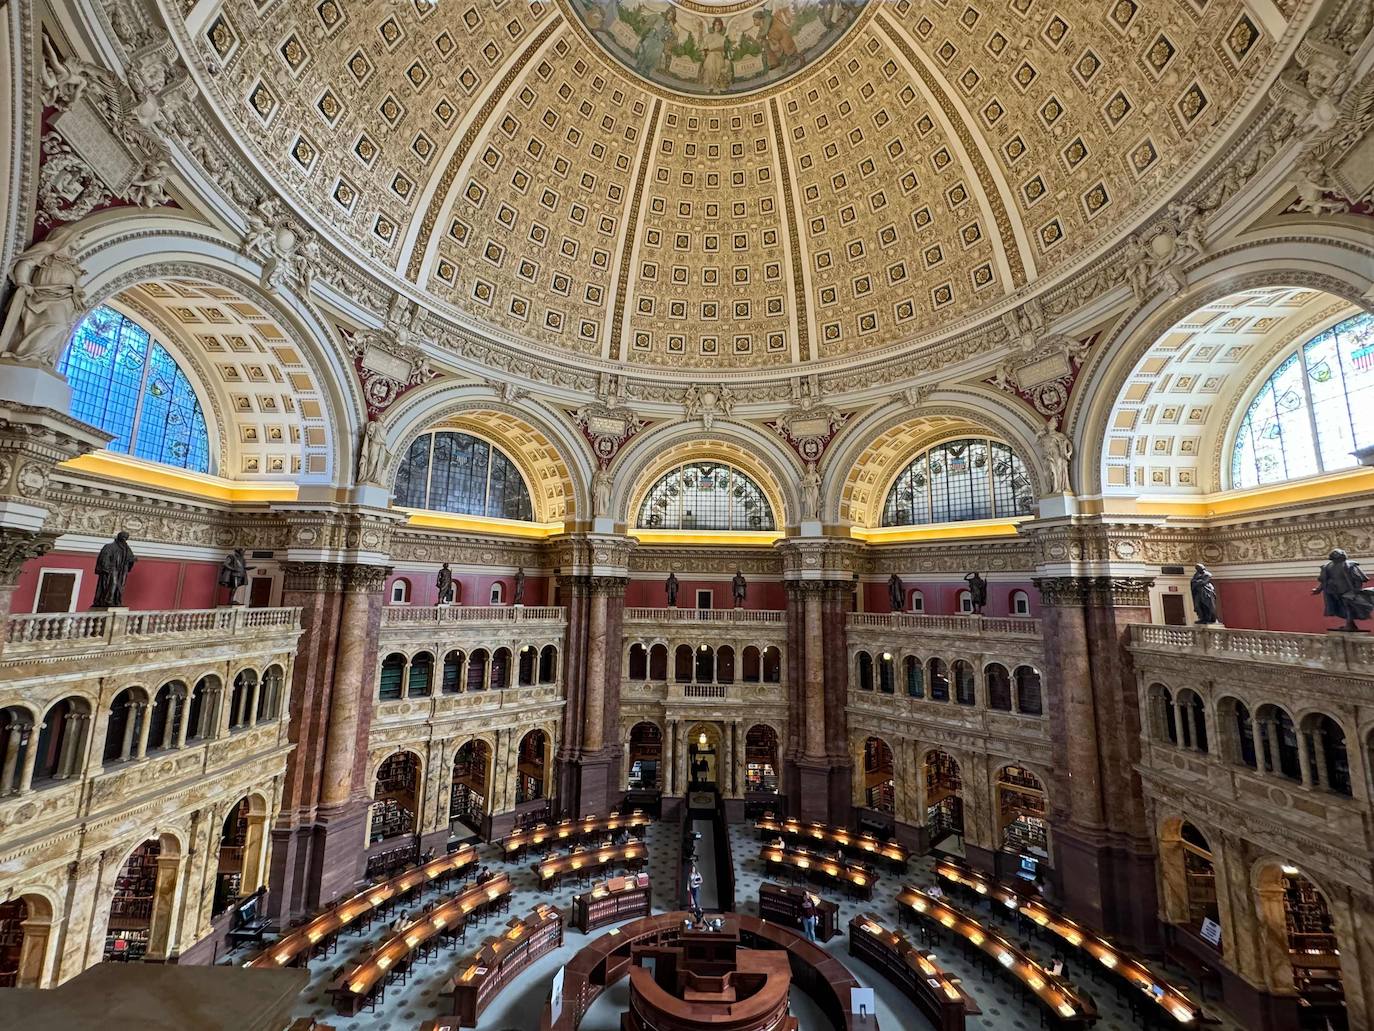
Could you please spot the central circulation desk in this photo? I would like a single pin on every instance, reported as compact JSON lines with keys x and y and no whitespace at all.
{"x":551,"y":871}
{"x":612,"y":901}
{"x":351,"y":990}
{"x":783,"y":906}
{"x":569,"y":832}
{"x":295,"y":947}
{"x":865,"y":846}
{"x":501,"y":958}
{"x":1063,"y":1003}
{"x":916,"y":973}
{"x":1120,"y":962}
{"x":843,"y":874}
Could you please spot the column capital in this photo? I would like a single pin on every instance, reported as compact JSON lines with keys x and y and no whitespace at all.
{"x":337,"y":533}
{"x":820,"y":558}
{"x":1111,"y":591}
{"x":591,"y":554}
{"x":1092,"y":545}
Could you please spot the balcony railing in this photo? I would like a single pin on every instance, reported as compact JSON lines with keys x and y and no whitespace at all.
{"x":446,"y":615}
{"x":704,"y":615}
{"x":1336,"y":652}
{"x":1021,"y":626}
{"x":62,"y":632}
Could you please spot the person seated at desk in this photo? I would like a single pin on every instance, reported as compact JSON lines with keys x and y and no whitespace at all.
{"x":484,"y":873}
{"x":428,"y":855}
{"x":578,"y":848}
{"x":400,"y":922}
{"x":935,"y":891}
{"x":622,"y":837}
{"x":1056,"y":967}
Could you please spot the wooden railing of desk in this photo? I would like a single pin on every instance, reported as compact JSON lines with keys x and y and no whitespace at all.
{"x":1059,"y":997}
{"x":1121,"y":962}
{"x":862,"y":845}
{"x":551,"y":871}
{"x":917,"y":974}
{"x":296,"y":946}
{"x":607,"y":959}
{"x":842,"y":873}
{"x":568,"y":832}
{"x":501,"y":958}
{"x":783,"y":905}
{"x":355,"y":986}
{"x":611,"y":901}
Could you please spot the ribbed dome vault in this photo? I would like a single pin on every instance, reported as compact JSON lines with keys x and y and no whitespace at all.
{"x":557,"y":174}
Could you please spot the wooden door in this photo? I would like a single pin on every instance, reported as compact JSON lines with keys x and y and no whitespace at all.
{"x":260,"y":592}
{"x":55,"y":591}
{"x":1174,"y":612}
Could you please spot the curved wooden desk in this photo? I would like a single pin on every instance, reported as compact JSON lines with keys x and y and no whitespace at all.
{"x":850,"y":876}
{"x":295,"y":946}
{"x":630,"y":855}
{"x":355,"y":986}
{"x":1122,"y":962}
{"x":760,"y":977}
{"x":568,"y":832}
{"x":607,"y":959}
{"x":865,"y":846}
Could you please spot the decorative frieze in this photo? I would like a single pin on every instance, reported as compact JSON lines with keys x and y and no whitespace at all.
{"x":1107,"y":591}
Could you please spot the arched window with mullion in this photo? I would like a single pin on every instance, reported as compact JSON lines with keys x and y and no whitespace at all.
{"x":451,"y":471}
{"x":706,"y":495}
{"x":129,"y":385}
{"x":957,"y":481}
{"x":1312,"y":411}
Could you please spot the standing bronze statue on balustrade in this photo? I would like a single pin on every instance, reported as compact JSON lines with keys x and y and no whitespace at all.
{"x":1341,"y":583}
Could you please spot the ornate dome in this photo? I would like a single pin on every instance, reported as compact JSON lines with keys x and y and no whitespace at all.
{"x":834,"y":181}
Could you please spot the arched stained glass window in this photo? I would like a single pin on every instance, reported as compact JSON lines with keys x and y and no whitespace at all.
{"x":1316,"y":408}
{"x":959,"y":480}
{"x":448,"y":471}
{"x":129,"y":385}
{"x":706,"y":496}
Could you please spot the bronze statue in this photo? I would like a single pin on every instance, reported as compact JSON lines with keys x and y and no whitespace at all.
{"x":520,"y":586}
{"x":112,"y":567}
{"x":896,"y":592}
{"x":1342,"y":586}
{"x":670,"y":586}
{"x":233,"y":573}
{"x":1204,"y":596}
{"x":977,"y":591}
{"x":738,"y":585}
{"x":443,"y":583}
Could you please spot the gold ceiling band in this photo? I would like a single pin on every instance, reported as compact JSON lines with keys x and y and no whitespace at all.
{"x":622,"y":279}
{"x":793,"y":234}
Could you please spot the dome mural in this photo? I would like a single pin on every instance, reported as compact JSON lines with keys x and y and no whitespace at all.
{"x":717,"y":46}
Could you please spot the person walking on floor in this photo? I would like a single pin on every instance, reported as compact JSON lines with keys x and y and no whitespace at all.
{"x":808,"y":914}
{"x":694,"y":886}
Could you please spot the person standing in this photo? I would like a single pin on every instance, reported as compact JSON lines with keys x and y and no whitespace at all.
{"x":808,"y":914}
{"x":694,"y":880}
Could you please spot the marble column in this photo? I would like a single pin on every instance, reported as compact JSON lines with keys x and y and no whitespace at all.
{"x":815,"y":676}
{"x":593,"y":723}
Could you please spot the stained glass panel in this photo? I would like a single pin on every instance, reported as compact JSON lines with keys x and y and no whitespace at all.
{"x":706,"y":496}
{"x":447,"y":471}
{"x":959,"y":480}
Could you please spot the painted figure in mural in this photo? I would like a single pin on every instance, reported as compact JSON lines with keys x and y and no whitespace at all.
{"x":977,"y":591}
{"x":112,"y":567}
{"x":233,"y":573}
{"x":716,"y":69}
{"x":1341,"y":583}
{"x":670,"y":586}
{"x":443,"y":584}
{"x":780,"y":47}
{"x":738,"y":586}
{"x":652,"y":54}
{"x":896,"y":591}
{"x":1204,"y":595}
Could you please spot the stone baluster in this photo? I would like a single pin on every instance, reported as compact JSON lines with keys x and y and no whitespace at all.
{"x":1257,"y":738}
{"x":15,"y":740}
{"x":184,"y":717}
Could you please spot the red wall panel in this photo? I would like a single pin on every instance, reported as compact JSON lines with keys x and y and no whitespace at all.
{"x":473,"y":589}
{"x":649,"y":593}
{"x":154,"y":583}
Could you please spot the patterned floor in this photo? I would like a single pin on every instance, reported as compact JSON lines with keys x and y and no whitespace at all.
{"x":518,"y":1007}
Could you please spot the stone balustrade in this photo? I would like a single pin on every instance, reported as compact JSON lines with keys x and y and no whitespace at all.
{"x":451,"y":615}
{"x":52,"y":635}
{"x":977,"y":626}
{"x":732,"y":616}
{"x":1332,"y":653}
{"x":735,"y":692}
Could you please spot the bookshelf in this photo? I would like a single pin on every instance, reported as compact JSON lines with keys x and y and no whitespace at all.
{"x":12,"y":917}
{"x":229,"y":867}
{"x":612,"y":901}
{"x":1201,"y":879}
{"x":1312,"y":947}
{"x":501,"y":959}
{"x":1021,"y":803}
{"x":131,"y":909}
{"x":390,"y":819}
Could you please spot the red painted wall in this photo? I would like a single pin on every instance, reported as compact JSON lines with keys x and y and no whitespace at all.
{"x":649,"y":593}
{"x":154,"y":583}
{"x":941,"y":597}
{"x":1277,"y":604}
{"x":474,"y":589}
